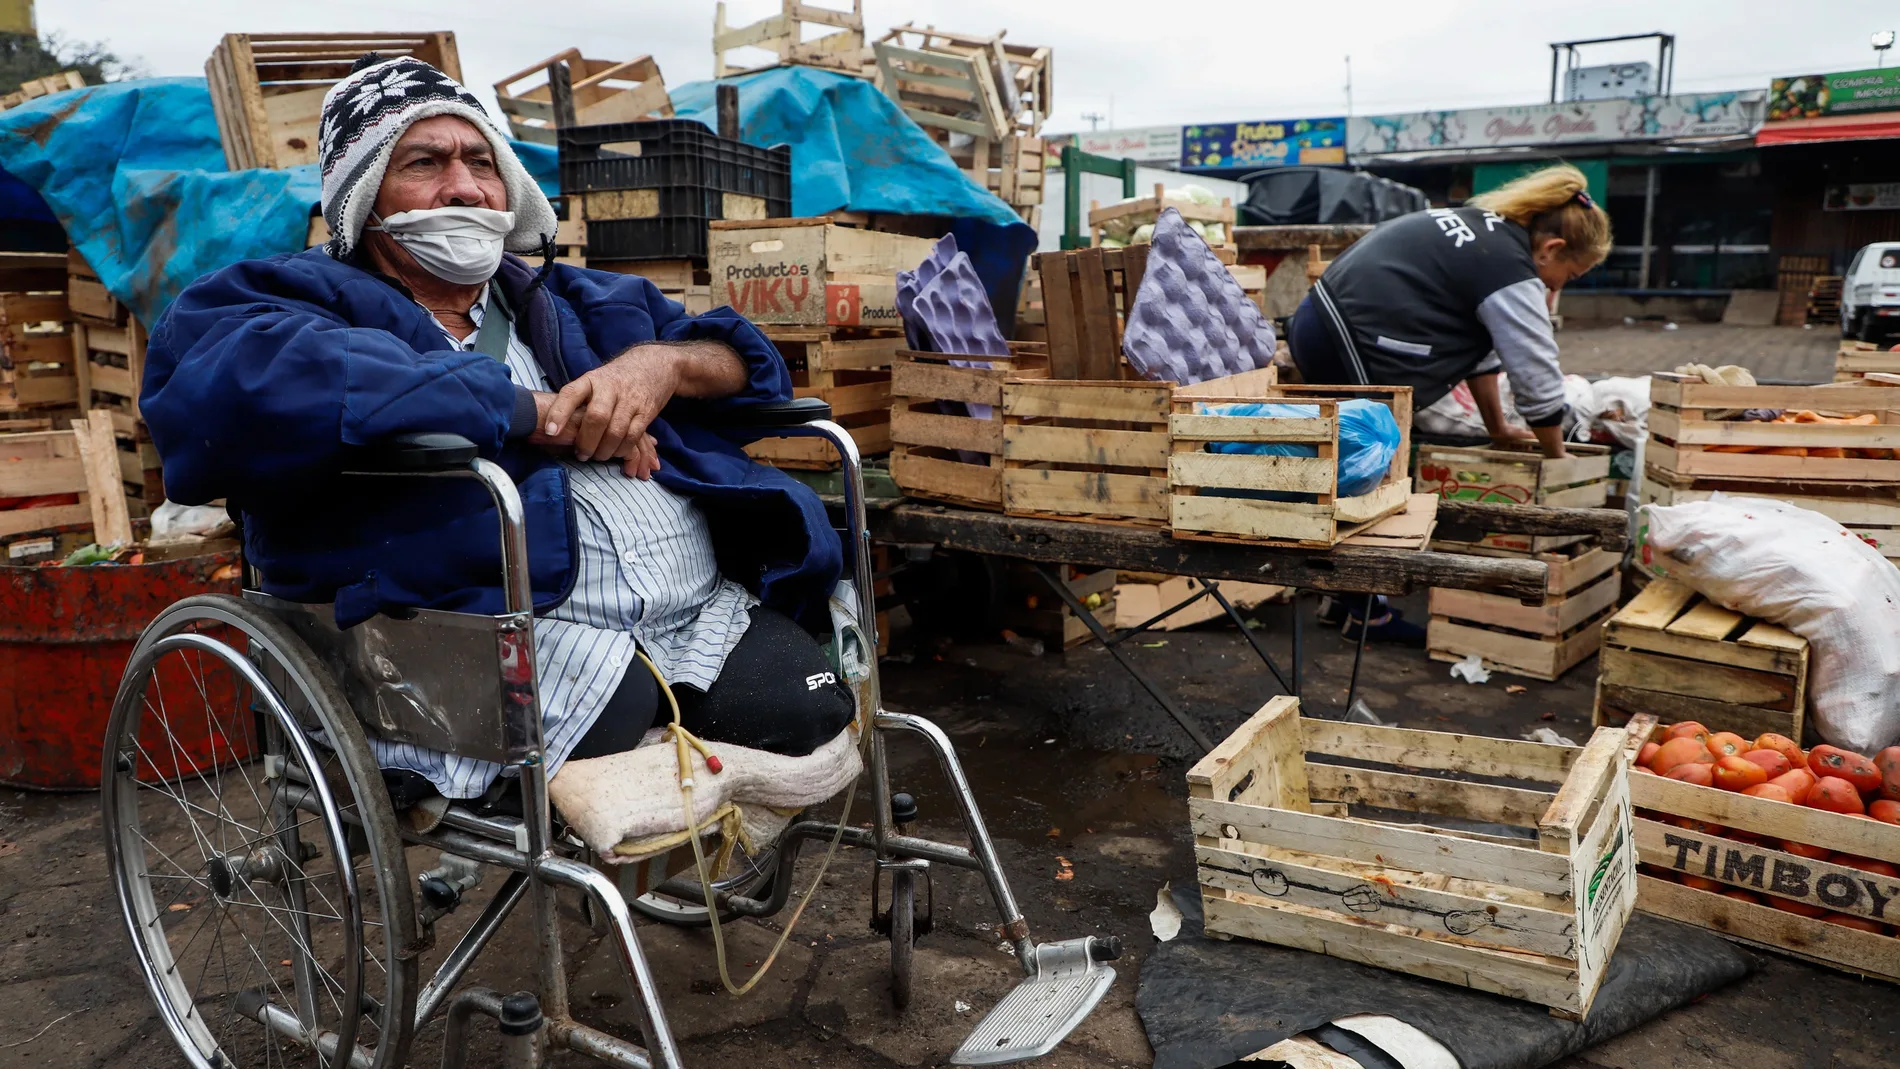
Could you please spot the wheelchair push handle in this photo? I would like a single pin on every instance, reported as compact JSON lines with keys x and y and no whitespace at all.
{"x":418,"y":453}
{"x":774,"y":415}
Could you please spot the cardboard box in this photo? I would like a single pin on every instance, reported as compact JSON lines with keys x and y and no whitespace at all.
{"x":810,"y":272}
{"x":1140,"y":597}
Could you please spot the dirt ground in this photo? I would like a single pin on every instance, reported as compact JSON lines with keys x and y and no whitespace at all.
{"x":1077,"y":771}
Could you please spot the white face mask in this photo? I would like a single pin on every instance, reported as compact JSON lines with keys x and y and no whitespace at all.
{"x":459,"y":245}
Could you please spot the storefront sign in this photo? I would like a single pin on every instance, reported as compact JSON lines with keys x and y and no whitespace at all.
{"x":1650,"y":118}
{"x":1862,"y":197}
{"x":1810,"y":96}
{"x":1152,"y":144}
{"x":1240,"y":145}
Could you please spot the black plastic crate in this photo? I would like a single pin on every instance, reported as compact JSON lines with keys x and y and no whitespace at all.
{"x":666,"y":237}
{"x":673,"y":153}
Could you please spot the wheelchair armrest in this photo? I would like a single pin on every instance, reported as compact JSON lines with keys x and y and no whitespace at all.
{"x":775,"y":415}
{"x":418,"y":453}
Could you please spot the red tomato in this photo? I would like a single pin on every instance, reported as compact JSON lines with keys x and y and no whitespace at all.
{"x":1866,"y":864}
{"x":1647,"y":754}
{"x":1731,"y":773}
{"x":1681,"y":751}
{"x":1848,"y":765}
{"x":1817,"y":853}
{"x":1702,"y":775}
{"x":1791,"y":906}
{"x":1686,"y":729}
{"x":1848,"y":920}
{"x":1768,"y":791}
{"x":1885,"y":810}
{"x":1783,"y":745}
{"x":1774,"y":762}
{"x":1888,"y":762}
{"x":1728,"y":744}
{"x":1835,"y":795}
{"x":1700,"y":883}
{"x":1797,"y":782}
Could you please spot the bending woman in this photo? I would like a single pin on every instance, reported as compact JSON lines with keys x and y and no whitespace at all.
{"x":1458,"y":294}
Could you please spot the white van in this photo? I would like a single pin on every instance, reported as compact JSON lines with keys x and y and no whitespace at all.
{"x":1870,"y":294}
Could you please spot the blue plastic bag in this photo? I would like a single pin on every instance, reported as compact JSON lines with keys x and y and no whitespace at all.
{"x":1368,"y":438}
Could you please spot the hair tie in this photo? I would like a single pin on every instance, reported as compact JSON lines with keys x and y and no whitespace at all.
{"x":1583,"y":198}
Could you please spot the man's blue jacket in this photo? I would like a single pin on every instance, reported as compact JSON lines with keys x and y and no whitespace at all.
{"x":261,"y":380}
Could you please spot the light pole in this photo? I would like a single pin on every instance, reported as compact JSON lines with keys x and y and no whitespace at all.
{"x":1883,"y":40}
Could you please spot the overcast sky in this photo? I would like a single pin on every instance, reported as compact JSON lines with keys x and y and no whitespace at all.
{"x":1133,"y":62}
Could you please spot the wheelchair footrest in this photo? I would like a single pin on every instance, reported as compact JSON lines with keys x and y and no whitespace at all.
{"x":1071,"y":978}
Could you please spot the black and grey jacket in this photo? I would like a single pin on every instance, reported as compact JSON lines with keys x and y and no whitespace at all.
{"x":1431,"y":298}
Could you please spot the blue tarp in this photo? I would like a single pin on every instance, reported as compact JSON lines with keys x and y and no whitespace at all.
{"x":135,"y":173}
{"x":854,"y":150}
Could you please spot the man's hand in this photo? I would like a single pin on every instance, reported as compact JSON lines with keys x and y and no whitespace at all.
{"x":606,"y":411}
{"x":639,"y":451}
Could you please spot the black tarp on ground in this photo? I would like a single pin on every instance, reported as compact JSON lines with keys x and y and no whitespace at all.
{"x":1206,"y":1003}
{"x":1288,"y":196}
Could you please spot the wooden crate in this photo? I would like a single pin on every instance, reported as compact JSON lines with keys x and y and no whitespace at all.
{"x":1534,"y":916}
{"x":1684,"y":442}
{"x":110,"y":375}
{"x":1871,"y":511}
{"x":1675,"y":655}
{"x":1857,"y":359}
{"x":1141,"y":595}
{"x":1030,"y":608}
{"x":957,"y":94}
{"x":842,"y":51}
{"x":267,"y":88}
{"x":852,"y":372}
{"x":1516,"y":476}
{"x":35,"y":88}
{"x":1542,"y":641}
{"x":80,"y":461}
{"x":1824,"y":301}
{"x":604,"y":91}
{"x":87,"y":296}
{"x":1011,"y":168}
{"x":1148,"y":209}
{"x":685,"y":281}
{"x":1023,"y":74}
{"x":36,"y":353}
{"x":810,"y":272}
{"x":1084,"y":294}
{"x":942,"y":448}
{"x":1082,"y":450}
{"x":1220,"y":496}
{"x":1736,"y":841}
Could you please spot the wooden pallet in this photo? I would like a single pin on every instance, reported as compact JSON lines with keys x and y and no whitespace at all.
{"x":1534,"y":917}
{"x":45,"y":464}
{"x":1515,"y":476}
{"x":604,"y":91}
{"x":942,"y":448}
{"x":1684,"y":442}
{"x":1220,"y":496}
{"x":1735,"y":840}
{"x":1858,"y":359}
{"x":1871,"y":511}
{"x":267,"y":88}
{"x":1824,"y":300}
{"x":851,"y":370}
{"x":842,"y":51}
{"x":1677,"y":656}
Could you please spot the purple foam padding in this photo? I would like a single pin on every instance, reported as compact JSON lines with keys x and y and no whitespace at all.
{"x":1191,"y":321}
{"x":909,"y":283}
{"x":955,"y":312}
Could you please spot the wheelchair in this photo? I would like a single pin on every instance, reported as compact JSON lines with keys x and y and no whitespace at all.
{"x":265,"y":876}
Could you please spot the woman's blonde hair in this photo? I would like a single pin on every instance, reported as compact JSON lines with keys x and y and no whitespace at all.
{"x":1554,"y":203}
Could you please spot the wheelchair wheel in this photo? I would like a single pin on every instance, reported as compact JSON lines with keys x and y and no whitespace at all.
{"x":751,"y":878}
{"x":903,"y":933}
{"x":253,"y":848}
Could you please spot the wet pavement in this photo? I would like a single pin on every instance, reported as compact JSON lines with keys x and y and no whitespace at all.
{"x":1080,"y":777}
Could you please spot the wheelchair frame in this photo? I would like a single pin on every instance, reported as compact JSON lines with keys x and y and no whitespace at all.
{"x":538,"y":865}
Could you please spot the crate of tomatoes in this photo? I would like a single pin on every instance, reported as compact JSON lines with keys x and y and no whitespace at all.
{"x":1788,"y":849}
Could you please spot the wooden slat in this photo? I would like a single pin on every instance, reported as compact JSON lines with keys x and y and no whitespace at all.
{"x":1091,"y":400}
{"x":1748,"y":721}
{"x":948,"y":480}
{"x":20,"y":521}
{"x":1866,"y":953}
{"x":1656,"y":605}
{"x":1262,"y":520}
{"x":1260,"y":764}
{"x":1242,"y":471}
{"x":1702,"y":679}
{"x":1085,"y":493}
{"x":946,"y":432}
{"x":1088,"y":446}
{"x":1445,"y":751}
{"x":1427,"y":794}
{"x":99,"y":456}
{"x":1706,"y":620}
{"x":1214,"y":428}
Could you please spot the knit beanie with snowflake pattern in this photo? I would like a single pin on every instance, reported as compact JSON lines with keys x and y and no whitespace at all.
{"x":365,"y":114}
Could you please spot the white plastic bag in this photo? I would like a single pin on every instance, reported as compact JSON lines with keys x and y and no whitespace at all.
{"x":1806,"y":572}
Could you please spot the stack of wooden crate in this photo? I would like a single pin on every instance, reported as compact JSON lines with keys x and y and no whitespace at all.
{"x":109,"y":346}
{"x":1824,"y":301}
{"x":826,"y":295}
{"x":783,"y":34}
{"x":1845,"y":471}
{"x":59,"y":489}
{"x":35,"y":88}
{"x":602,"y":91}
{"x":982,"y":98}
{"x":267,"y":88}
{"x":1541,"y":641}
{"x":38,"y":385}
{"x":1859,"y":359}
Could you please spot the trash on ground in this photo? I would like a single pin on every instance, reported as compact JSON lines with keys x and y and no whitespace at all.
{"x":1471,"y":669}
{"x":1165,"y":918}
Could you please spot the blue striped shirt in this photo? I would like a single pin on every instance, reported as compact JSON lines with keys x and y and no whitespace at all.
{"x":645,"y":576}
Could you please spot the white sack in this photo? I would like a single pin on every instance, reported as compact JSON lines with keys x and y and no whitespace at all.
{"x":1806,"y":572}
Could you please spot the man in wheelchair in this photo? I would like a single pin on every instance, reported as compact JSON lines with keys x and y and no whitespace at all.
{"x":649,"y":530}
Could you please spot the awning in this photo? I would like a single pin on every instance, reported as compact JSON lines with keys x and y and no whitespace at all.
{"x":1880,"y":125}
